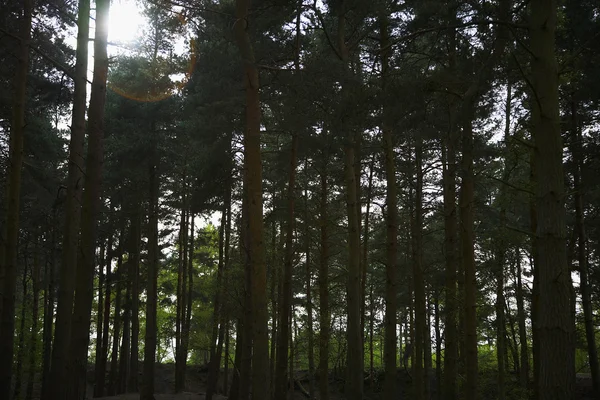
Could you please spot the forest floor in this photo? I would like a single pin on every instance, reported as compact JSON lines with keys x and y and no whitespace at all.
{"x":197,"y":376}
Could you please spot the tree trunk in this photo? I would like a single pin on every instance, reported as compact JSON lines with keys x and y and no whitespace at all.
{"x":284,"y":331}
{"x":8,"y":265}
{"x":217,"y":328}
{"x":134,"y":273}
{"x":556,"y":328}
{"x":324,"y":318}
{"x":309,"y":299}
{"x":126,"y":340}
{"x":438,"y":348}
{"x":451,"y":260}
{"x":391,"y":216}
{"x":467,"y":198}
{"x":150,"y":338}
{"x":99,"y":389}
{"x":60,"y":370}
{"x":114,"y":357}
{"x":524,"y":353}
{"x":590,"y":334}
{"x":253,"y":182}
{"x":49,"y":295}
{"x":501,"y":254}
{"x":102,"y":282}
{"x":275,"y":292}
{"x":21,"y":333}
{"x":35,"y":278}
{"x":354,"y":368}
{"x":247,"y":327}
{"x":421,"y":379}
{"x":181,"y":301}
{"x":90,"y":210}
{"x":190,"y":285}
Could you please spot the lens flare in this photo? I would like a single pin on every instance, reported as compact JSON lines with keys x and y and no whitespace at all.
{"x":158,"y":76}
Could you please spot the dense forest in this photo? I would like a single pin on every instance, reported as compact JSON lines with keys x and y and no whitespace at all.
{"x":285,"y":199}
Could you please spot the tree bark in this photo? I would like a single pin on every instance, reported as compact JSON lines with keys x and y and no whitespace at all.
{"x":586,"y":298}
{"x":253,"y":182}
{"x":102,"y":282}
{"x":150,"y":338}
{"x":181,"y":303}
{"x":117,"y":320}
{"x":524,"y":348}
{"x":309,"y":299}
{"x":122,"y":376}
{"x":59,"y":371}
{"x":556,"y":328}
{"x":467,"y":238}
{"x":284,"y":331}
{"x":134,"y":272}
{"x":8,"y":265}
{"x":21,"y":334}
{"x":90,"y":210}
{"x":391,"y":217}
{"x":49,"y":295}
{"x":354,"y":368}
{"x":421,"y":373}
{"x":33,"y":339}
{"x":99,"y":389}
{"x":217,"y":328}
{"x":451,"y":261}
{"x":324,"y":318}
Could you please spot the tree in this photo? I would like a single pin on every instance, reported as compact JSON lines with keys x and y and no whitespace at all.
{"x":8,"y":265}
{"x":555,"y":322}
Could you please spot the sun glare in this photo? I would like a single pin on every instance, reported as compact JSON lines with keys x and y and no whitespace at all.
{"x":126,"y":22}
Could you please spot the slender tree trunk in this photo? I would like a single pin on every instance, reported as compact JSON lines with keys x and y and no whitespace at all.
{"x":101,"y":365}
{"x":117,"y":320}
{"x":8,"y":265}
{"x":354,"y":368}
{"x":33,"y":339}
{"x":274,"y":302}
{"x":226,"y":355}
{"x":90,"y":210}
{"x":524,"y":353}
{"x":501,"y":255}
{"x":512,"y":340}
{"x":134,"y":273}
{"x":324,"y":318}
{"x":59,"y":370}
{"x":181,"y":303}
{"x":556,"y":355}
{"x":49,"y":295}
{"x":391,"y":217}
{"x":234,"y":392}
{"x":217,"y":328}
{"x":100,"y":314}
{"x":190,"y":286}
{"x":309,"y":299}
{"x":421,"y":373}
{"x":467,"y":198}
{"x":253,"y":181}
{"x":500,"y":319}
{"x":281,"y":375}
{"x":371,"y":335}
{"x":438,"y":348}
{"x":21,"y":333}
{"x":248,"y":331}
{"x":451,"y":260}
{"x":126,"y":340}
{"x":150,"y":339}
{"x":586,"y":300}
